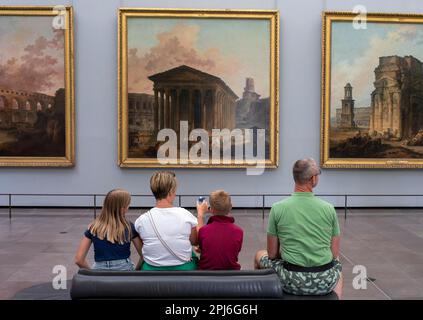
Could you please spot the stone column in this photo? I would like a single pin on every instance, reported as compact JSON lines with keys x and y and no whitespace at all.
{"x":177,"y":115}
{"x":203,"y":109}
{"x":216,"y":109}
{"x":190,"y":110}
{"x":167,"y":109}
{"x":162,"y":115}
{"x":156,"y":111}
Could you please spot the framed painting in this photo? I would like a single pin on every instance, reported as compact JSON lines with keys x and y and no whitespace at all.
{"x":198,"y":88}
{"x":36,"y":87}
{"x":372,"y":91}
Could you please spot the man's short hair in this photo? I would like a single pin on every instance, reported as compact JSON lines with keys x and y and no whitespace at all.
{"x":220,"y":201}
{"x":304,"y":170}
{"x":162,"y":183}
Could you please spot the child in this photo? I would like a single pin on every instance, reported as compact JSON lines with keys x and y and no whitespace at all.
{"x":111,"y":235}
{"x":220,"y":241}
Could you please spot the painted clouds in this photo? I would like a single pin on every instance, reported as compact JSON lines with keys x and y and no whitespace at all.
{"x":35,"y":62}
{"x":388,"y":40}
{"x":176,"y":47}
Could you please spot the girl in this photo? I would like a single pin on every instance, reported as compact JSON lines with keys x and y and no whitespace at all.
{"x":111,"y":235}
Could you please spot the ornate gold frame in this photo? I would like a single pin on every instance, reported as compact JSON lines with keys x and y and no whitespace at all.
{"x":326,"y":162}
{"x":69,"y":159}
{"x":124,"y":13}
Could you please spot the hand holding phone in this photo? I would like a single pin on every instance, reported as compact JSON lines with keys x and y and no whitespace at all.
{"x":202,"y":205}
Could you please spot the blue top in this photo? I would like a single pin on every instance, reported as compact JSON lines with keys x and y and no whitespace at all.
{"x":104,"y":250}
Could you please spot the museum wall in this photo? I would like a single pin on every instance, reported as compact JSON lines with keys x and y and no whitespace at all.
{"x":96,"y":169}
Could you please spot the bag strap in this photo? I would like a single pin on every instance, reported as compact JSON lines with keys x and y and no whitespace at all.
{"x":150,"y":216}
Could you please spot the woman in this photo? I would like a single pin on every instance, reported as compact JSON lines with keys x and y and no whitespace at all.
{"x":111,"y":234}
{"x":167,"y":232}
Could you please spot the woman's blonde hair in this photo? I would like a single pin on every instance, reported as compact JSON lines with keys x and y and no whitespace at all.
{"x":162,"y":183}
{"x":111,"y":224}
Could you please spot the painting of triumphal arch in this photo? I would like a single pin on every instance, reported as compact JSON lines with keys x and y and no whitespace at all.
{"x":372,"y":99}
{"x":36,"y":86}
{"x":191,"y":71}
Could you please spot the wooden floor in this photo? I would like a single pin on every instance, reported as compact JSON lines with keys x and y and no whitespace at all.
{"x":388,"y":243}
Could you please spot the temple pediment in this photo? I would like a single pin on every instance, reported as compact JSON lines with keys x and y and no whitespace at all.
{"x":185,"y":74}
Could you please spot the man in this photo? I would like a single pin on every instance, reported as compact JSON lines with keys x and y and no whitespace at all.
{"x":303,"y":238}
{"x":220,"y":241}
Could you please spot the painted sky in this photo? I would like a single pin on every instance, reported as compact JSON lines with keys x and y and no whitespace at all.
{"x":31,"y":54}
{"x":355,"y":55}
{"x":232,"y":49}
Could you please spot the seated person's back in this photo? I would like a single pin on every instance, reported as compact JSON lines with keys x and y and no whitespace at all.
{"x":305,"y":226}
{"x":174,"y":225}
{"x":220,"y":241}
{"x":167,"y":232}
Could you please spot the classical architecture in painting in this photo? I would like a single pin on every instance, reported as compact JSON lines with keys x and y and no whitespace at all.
{"x":361,"y":117}
{"x":397,"y":100}
{"x":347,"y":110}
{"x":187,"y":94}
{"x":141,"y":116}
{"x":252,"y":112}
{"x":19,"y":108}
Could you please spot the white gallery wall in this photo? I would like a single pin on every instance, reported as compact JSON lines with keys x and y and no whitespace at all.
{"x":96,"y":169}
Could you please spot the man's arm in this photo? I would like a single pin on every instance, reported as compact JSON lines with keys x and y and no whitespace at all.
{"x":273,"y":247}
{"x":335,"y":246}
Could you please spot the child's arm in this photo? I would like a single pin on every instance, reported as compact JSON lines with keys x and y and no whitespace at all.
{"x":138,"y":245}
{"x":81,"y":254}
{"x":202,"y":208}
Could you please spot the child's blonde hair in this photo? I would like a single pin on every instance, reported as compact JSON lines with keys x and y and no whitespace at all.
{"x":220,"y":201}
{"x":111,"y":224}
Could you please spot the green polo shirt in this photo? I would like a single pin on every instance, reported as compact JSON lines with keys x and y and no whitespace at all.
{"x":305,"y":226}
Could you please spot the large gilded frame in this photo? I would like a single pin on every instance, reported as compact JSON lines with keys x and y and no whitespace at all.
{"x":124,"y":13}
{"x":69,"y":159}
{"x":382,"y":163}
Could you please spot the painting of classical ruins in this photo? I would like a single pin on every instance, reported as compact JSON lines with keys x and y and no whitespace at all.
{"x":373,"y":112}
{"x":36,"y":124}
{"x":187,"y":73}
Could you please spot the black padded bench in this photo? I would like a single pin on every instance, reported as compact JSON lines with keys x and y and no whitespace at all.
{"x":243,"y":284}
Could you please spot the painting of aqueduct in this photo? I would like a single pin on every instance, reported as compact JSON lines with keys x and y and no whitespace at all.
{"x":32,"y":94}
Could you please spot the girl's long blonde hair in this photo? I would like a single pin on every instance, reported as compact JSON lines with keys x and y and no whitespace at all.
{"x":111,"y":224}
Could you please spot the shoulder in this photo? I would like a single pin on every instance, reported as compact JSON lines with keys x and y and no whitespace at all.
{"x":324,"y":204}
{"x":237,"y":228}
{"x":140,"y":219}
{"x":184,"y":212}
{"x":280,"y":205}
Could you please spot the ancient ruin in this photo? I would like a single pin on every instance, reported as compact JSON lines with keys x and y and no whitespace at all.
{"x":19,"y":108}
{"x":397,"y":101}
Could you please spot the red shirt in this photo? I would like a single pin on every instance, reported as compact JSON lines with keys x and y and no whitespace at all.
{"x":220,"y":243}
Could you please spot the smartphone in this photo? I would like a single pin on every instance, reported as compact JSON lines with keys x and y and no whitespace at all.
{"x":200,"y":200}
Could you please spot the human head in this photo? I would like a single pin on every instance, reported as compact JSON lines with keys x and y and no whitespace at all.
{"x":111,"y":224}
{"x":163,"y":185}
{"x":220,"y":202}
{"x":306,"y":172}
{"x":117,"y":201}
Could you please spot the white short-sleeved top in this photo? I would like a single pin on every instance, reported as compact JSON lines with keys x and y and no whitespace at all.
{"x":174,"y":225}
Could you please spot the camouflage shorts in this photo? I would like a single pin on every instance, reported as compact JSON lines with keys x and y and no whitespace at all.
{"x":304,"y":283}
